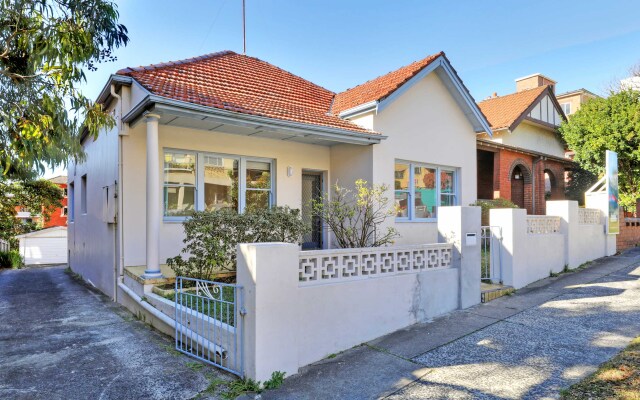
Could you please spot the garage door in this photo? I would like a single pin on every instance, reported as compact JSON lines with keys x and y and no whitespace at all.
{"x":52,"y":250}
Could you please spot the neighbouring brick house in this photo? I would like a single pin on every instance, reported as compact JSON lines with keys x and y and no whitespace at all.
{"x":525,"y":160}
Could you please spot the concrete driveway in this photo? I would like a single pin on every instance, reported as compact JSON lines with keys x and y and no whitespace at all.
{"x":529,"y":345}
{"x":62,"y":340}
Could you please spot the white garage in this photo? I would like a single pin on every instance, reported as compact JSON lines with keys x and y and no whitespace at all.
{"x":47,"y":246}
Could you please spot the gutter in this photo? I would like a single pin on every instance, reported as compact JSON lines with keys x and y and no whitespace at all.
{"x":158,"y":103}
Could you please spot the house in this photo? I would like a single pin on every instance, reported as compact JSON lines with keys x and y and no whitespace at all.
{"x":45,"y":246}
{"x":58,"y":216}
{"x":524,"y":160}
{"x":227,"y":130}
{"x":573,"y":100}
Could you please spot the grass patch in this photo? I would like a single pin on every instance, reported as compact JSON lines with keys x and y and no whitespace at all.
{"x":241,"y":386}
{"x":618,"y":378}
{"x":195,"y":366}
{"x":221,"y":307}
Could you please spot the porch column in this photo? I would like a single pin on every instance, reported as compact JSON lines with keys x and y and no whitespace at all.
{"x":153,"y":198}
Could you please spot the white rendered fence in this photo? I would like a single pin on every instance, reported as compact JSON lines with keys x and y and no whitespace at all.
{"x":589,"y":216}
{"x":542,"y":224}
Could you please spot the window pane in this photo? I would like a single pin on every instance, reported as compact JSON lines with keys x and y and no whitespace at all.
{"x":220,"y":183}
{"x":257,"y":199}
{"x":401,"y":175}
{"x":446,"y":182}
{"x":179,"y":168}
{"x":179,"y":201}
{"x":425,"y":184}
{"x":258,"y":175}
{"x":402,"y":201}
{"x":447,"y":200}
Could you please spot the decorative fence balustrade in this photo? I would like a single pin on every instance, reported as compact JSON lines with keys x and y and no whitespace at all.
{"x":542,"y":224}
{"x":333,"y":266}
{"x":589,"y":216}
{"x":4,"y":246}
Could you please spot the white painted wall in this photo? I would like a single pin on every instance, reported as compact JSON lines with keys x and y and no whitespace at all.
{"x":526,"y":257}
{"x":531,"y":137}
{"x":426,"y":125}
{"x":285,"y":153}
{"x":92,"y":242}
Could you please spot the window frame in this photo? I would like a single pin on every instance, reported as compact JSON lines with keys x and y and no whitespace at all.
{"x":564,"y":106}
{"x":71,"y":201}
{"x":242,"y":179}
{"x":177,"y":185}
{"x":412,"y":188}
{"x":83,"y":195}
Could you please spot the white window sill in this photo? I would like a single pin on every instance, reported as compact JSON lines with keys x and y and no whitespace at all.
{"x":423,"y":220}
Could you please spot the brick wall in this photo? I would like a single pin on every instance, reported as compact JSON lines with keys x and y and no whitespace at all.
{"x":629,"y":235}
{"x":57,"y":217}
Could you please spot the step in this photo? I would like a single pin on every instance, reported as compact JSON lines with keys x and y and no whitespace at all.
{"x":493,"y":293}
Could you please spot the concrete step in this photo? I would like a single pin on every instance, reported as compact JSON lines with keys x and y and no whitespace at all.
{"x":493,"y":293}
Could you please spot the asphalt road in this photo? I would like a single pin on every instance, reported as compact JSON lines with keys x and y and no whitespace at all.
{"x":60,"y":339}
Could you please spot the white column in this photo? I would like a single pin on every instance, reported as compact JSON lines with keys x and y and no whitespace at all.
{"x":153,"y":198}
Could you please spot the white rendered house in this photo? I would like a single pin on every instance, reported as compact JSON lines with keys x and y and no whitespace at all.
{"x":226,"y":130}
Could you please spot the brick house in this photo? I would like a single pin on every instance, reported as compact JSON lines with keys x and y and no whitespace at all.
{"x":524,"y":161}
{"x":57,"y":218}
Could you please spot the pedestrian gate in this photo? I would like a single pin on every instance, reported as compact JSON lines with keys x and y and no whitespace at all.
{"x":490,"y":254}
{"x":210,"y":322}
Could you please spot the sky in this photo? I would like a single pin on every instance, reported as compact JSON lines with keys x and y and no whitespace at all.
{"x":339,"y":44}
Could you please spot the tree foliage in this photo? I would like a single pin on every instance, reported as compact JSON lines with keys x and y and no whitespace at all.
{"x":40,"y":197}
{"x":357,"y":217}
{"x":611,"y":123}
{"x":580,"y":180}
{"x":212,"y":237}
{"x":45,"y":45}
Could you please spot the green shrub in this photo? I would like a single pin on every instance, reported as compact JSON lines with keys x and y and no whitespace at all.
{"x":211,"y":237}
{"x":10,"y":259}
{"x":487,"y":205}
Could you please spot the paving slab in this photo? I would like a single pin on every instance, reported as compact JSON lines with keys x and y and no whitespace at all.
{"x":62,"y":340}
{"x":420,"y":338}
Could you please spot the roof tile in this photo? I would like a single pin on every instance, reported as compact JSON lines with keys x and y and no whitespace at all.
{"x":238,"y":83}
{"x":503,"y":111}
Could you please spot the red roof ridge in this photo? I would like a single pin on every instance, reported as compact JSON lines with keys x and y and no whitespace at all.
{"x":151,"y":67}
{"x":539,"y":88}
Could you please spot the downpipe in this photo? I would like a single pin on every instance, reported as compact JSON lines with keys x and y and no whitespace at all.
{"x":119,"y":258}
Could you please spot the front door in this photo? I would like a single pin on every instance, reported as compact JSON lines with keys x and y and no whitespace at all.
{"x":311,"y":190}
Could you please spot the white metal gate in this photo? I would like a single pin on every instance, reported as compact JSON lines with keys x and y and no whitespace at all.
{"x":210,"y":322}
{"x":490,"y":256}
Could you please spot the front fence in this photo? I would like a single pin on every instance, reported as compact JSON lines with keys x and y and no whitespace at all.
{"x":490,"y":255}
{"x":4,"y":246}
{"x":210,"y":322}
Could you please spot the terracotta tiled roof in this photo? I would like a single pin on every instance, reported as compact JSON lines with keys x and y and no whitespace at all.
{"x":503,"y":111}
{"x":242,"y":84}
{"x":380,"y":87}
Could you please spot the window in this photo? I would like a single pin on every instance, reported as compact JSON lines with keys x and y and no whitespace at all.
{"x":566,"y":107}
{"x":83,"y":195}
{"x":204,"y":181}
{"x":71,"y":201}
{"x":64,"y":192}
{"x":179,"y":184}
{"x":65,"y":211}
{"x":420,"y":189}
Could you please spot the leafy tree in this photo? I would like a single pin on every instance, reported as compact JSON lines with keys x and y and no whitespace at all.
{"x":580,"y":180}
{"x":357,"y":217}
{"x":44,"y":47}
{"x":611,"y":123}
{"x":40,"y":197}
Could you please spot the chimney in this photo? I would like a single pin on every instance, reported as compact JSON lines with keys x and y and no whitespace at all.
{"x":495,"y":94}
{"x":534,"y":81}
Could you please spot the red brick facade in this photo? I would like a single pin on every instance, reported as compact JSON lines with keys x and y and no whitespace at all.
{"x":59,"y":216}
{"x":507,"y":165}
{"x":629,"y":235}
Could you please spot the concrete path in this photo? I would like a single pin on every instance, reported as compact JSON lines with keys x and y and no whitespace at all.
{"x":62,"y":340}
{"x":528,"y":345}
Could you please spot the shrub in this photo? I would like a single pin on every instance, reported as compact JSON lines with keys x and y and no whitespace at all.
{"x":487,"y":205}
{"x":10,"y":259}
{"x":356,"y":217}
{"x":211,"y":237}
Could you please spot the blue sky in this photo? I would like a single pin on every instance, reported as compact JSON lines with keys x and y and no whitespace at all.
{"x":340,"y":43}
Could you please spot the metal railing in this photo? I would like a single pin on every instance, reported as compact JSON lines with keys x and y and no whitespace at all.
{"x":210,"y":322}
{"x":4,"y":246}
{"x":490,"y":254}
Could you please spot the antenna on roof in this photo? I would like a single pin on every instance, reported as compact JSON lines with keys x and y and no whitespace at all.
{"x":244,"y":30}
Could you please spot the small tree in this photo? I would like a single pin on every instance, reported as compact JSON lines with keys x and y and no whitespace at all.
{"x":356,"y":217}
{"x":212,"y":237}
{"x":611,"y":123}
{"x":487,"y":205}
